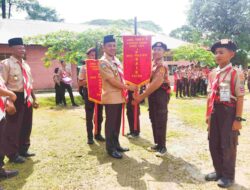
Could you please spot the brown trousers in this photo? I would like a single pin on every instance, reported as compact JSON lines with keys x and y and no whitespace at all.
{"x":178,"y":88}
{"x":2,"y":123}
{"x":18,"y":127}
{"x":130,"y":114}
{"x":112,"y":126}
{"x":89,"y":110}
{"x":223,"y":140}
{"x":158,"y":114}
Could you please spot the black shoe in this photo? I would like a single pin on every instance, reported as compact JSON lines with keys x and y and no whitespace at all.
{"x":212,"y":177}
{"x":135,"y":135}
{"x":120,"y":149}
{"x":225,"y":183}
{"x":154,"y":148}
{"x":8,"y":173}
{"x":128,"y":134}
{"x":90,"y":141}
{"x":161,"y":152}
{"x":132,"y":135}
{"x":27,"y":154}
{"x":75,"y":105}
{"x":115,"y":154}
{"x":17,"y":159}
{"x":99,"y":138}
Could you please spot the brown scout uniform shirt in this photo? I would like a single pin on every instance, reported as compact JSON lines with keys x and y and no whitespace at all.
{"x":83,"y":74}
{"x":159,"y":69}
{"x":238,"y":81}
{"x":12,"y":74}
{"x":108,"y":69}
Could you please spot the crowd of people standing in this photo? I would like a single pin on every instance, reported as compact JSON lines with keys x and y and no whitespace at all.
{"x":189,"y":81}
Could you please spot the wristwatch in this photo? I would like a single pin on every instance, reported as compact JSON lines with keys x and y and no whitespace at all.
{"x":239,"y":119}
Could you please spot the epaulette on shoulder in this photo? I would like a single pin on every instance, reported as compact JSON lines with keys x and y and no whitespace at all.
{"x":4,"y":61}
{"x":214,"y":69}
{"x":103,"y":61}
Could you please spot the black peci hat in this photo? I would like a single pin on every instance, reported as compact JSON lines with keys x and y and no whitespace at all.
{"x":161,"y":45}
{"x":108,"y":38}
{"x":15,"y":42}
{"x":224,"y":43}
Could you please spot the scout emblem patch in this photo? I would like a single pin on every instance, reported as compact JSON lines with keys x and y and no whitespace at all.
{"x":224,"y":41}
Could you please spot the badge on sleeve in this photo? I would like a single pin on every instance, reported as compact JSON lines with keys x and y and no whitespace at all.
{"x":242,"y":89}
{"x":162,"y":70}
{"x":103,"y":66}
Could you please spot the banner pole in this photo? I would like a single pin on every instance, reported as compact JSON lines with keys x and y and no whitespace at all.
{"x":135,"y":113}
{"x":123,"y":119}
{"x":96,"y":118}
{"x":136,"y":92}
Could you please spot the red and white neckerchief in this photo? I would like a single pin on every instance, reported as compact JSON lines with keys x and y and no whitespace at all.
{"x":2,"y":101}
{"x":120,"y":72}
{"x":215,"y":86}
{"x":27,"y":86}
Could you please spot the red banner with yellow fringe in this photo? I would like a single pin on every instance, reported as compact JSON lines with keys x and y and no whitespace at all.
{"x":94,"y":80}
{"x":137,"y":59}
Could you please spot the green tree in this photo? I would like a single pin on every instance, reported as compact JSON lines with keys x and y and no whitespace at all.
{"x":186,"y":33}
{"x":71,"y":46}
{"x":37,"y":12}
{"x":33,"y":9}
{"x":241,"y":58}
{"x":218,"y":19}
{"x":126,"y":24}
{"x":3,"y":8}
{"x":195,"y":54}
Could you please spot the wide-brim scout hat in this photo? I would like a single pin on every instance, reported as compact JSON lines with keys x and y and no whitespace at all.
{"x":161,"y":45}
{"x":224,"y":43}
{"x":108,"y":38}
{"x":15,"y":42}
{"x":90,"y":50}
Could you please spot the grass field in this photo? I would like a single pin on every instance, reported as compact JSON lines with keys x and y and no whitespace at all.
{"x":65,"y":162}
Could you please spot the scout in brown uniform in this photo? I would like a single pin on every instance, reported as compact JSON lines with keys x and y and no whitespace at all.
{"x":17,"y":77}
{"x":60,"y":92}
{"x":6,"y":99}
{"x":192,"y":82}
{"x":178,"y":82}
{"x":113,"y":95}
{"x":89,"y":105}
{"x":224,"y":111}
{"x":184,"y":81}
{"x":158,"y":98}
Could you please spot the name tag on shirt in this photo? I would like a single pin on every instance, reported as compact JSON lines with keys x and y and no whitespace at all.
{"x":225,"y":95}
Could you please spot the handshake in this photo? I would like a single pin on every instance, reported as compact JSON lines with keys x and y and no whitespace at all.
{"x":137,"y":98}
